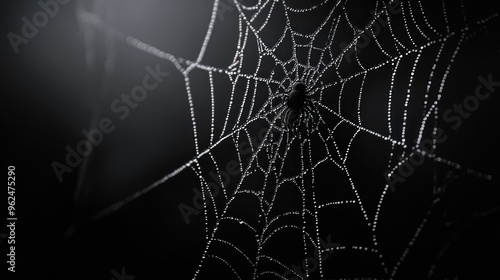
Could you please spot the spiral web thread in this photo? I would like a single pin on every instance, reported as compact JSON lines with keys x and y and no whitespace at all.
{"x":410,"y":37}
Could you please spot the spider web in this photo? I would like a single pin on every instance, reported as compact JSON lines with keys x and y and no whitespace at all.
{"x":317,"y":195}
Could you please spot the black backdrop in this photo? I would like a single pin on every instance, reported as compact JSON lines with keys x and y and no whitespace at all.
{"x":48,"y":97}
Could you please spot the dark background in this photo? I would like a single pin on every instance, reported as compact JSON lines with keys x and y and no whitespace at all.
{"x":50,"y":96}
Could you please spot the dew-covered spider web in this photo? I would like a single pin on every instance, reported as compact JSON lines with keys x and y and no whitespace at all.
{"x":331,"y":202}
